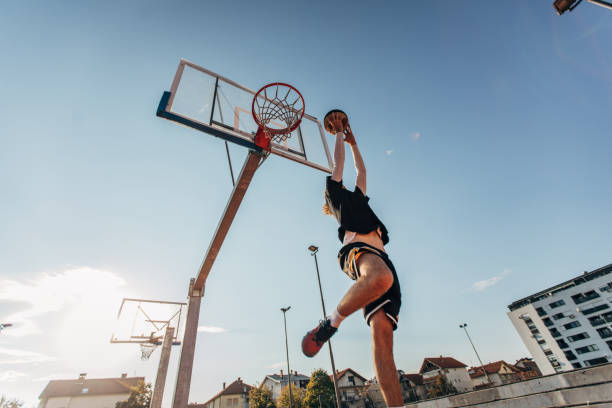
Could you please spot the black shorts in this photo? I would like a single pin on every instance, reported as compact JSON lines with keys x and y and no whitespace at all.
{"x":391,"y":300}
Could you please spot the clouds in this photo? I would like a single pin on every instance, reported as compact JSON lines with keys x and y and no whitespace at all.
{"x":53,"y":292}
{"x":16,"y":356}
{"x":211,"y":329}
{"x":487,"y":283}
{"x":415,"y":136}
{"x":10,"y":375}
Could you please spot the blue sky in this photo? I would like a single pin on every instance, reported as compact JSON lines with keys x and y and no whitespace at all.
{"x":484,"y":125}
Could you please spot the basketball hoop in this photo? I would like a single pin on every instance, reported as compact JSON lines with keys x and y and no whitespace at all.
{"x":146,"y":349}
{"x":278,"y":109}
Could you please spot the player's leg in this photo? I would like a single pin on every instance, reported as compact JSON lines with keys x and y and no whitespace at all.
{"x":384,"y":364}
{"x":375,"y":279}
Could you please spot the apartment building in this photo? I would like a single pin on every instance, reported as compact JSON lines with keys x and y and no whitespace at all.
{"x":568,"y":325}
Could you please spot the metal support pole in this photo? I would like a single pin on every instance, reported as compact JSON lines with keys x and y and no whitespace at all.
{"x":601,"y":3}
{"x":284,"y":310}
{"x":314,"y":251}
{"x":464,"y":327}
{"x":162,"y":369}
{"x":183,"y":378}
{"x":196,"y":286}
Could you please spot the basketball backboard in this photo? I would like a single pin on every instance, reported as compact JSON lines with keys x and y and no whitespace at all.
{"x":208,"y":102}
{"x":145,"y":321}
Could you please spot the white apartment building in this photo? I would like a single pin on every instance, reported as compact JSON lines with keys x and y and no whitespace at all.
{"x":569,"y":325}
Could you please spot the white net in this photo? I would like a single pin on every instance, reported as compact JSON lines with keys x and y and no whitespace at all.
{"x":146,"y":349}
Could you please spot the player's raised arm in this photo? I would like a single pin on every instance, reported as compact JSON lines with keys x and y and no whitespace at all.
{"x":338,"y":158}
{"x":357,"y":159}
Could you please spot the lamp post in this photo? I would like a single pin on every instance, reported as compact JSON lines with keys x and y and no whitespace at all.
{"x":284,"y":310}
{"x":5,"y":325}
{"x":464,"y":327}
{"x":313,"y":252}
{"x":564,"y":5}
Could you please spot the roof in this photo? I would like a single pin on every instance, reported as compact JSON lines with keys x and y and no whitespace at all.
{"x":339,"y":374}
{"x":416,"y":379}
{"x":94,"y":386}
{"x":285,"y":377}
{"x":442,"y":362}
{"x":586,"y":276}
{"x":490,"y":368}
{"x":235,"y":388}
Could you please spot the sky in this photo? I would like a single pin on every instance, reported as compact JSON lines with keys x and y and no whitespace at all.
{"x":484,"y":127}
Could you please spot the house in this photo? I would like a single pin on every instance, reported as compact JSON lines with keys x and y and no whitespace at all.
{"x":527,"y":368}
{"x":235,"y":395}
{"x":412,"y":387}
{"x":276,"y":382}
{"x":374,"y":395}
{"x":454,"y":371}
{"x":499,"y":373}
{"x":351,"y":387}
{"x":88,"y":393}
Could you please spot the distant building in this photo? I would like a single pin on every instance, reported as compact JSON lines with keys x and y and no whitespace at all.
{"x":351,"y":387}
{"x":412,"y":387}
{"x":527,"y":368}
{"x":235,"y":395}
{"x":276,"y":382}
{"x":88,"y":393}
{"x":499,"y":373}
{"x":454,"y":371}
{"x":568,"y":325}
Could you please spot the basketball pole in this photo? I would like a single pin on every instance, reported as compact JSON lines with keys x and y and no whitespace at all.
{"x":162,"y":369}
{"x":196,"y":285}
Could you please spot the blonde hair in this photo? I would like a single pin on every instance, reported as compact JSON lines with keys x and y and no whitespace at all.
{"x":326,"y":209}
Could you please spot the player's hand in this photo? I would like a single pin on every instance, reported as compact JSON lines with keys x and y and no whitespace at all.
{"x":348,"y":135}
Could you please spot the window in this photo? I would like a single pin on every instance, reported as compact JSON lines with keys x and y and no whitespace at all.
{"x":609,"y":343}
{"x":572,"y":325}
{"x":595,"y":309}
{"x":555,"y":333}
{"x":570,"y":355}
{"x":604,"y":332}
{"x":351,"y":379}
{"x":576,"y":365}
{"x":558,"y":316}
{"x":548,"y":352}
{"x":595,"y":361}
{"x":541,"y":311}
{"x":579,"y":336}
{"x":547,"y":321}
{"x":587,"y":349}
{"x":596,"y":321}
{"x":558,"y":303}
{"x":607,"y":316}
{"x":562,"y":343}
{"x":584,"y":297}
{"x":85,"y":390}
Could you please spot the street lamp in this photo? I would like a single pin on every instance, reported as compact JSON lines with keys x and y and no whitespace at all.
{"x":564,"y":5}
{"x":284,"y":310}
{"x":464,"y":327}
{"x":313,"y":252}
{"x":5,"y":325}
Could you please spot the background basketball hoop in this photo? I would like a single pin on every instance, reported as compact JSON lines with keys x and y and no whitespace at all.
{"x":278,"y":109}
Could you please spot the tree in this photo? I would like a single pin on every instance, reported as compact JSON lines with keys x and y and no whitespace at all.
{"x":261,"y":397}
{"x":10,"y":403}
{"x":298,"y":401}
{"x":140,"y":397}
{"x":320,"y":390}
{"x":441,"y":387}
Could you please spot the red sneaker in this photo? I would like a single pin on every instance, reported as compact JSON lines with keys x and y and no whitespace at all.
{"x":317,"y":337}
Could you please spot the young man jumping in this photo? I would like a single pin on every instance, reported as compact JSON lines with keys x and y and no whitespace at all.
{"x":363,"y":258}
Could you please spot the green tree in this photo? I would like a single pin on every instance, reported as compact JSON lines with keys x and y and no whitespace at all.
{"x":10,"y":403}
{"x":140,"y":397}
{"x":441,"y":387}
{"x":298,"y":401}
{"x":320,"y":388}
{"x":261,"y":397}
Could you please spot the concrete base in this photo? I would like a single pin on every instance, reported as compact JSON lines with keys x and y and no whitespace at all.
{"x":590,"y":387}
